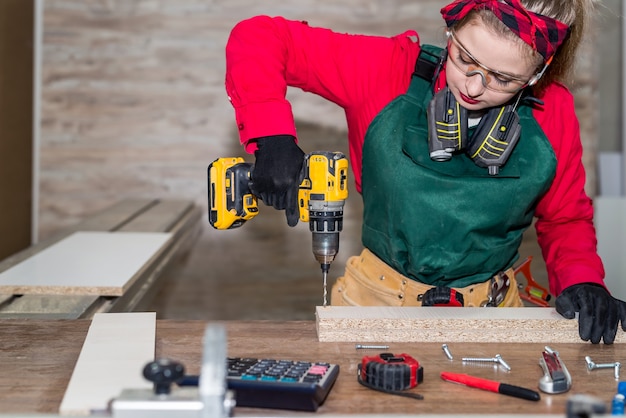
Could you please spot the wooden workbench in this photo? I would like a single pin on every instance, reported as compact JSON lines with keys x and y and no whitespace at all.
{"x":38,"y":357}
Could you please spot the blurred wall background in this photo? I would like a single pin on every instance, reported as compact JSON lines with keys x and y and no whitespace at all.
{"x":133,"y":101}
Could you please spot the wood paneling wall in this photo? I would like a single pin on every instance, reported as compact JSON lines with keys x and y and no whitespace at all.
{"x":16,"y":124}
{"x":133,"y":100}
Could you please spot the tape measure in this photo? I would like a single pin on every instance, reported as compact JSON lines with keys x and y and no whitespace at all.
{"x":441,"y":296}
{"x":391,"y":373}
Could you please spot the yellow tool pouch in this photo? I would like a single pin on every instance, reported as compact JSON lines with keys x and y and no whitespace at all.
{"x":368,"y":281}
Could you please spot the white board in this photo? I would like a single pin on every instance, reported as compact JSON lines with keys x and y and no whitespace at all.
{"x":610,"y":223}
{"x":115,"y":351}
{"x":85,"y":263}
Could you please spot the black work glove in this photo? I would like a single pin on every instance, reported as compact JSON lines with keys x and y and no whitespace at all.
{"x":599,"y":314}
{"x":275,"y":178}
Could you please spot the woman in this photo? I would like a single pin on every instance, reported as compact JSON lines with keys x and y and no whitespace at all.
{"x":454,"y":149}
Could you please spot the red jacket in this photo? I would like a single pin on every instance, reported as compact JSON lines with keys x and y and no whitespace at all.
{"x":362,"y":74}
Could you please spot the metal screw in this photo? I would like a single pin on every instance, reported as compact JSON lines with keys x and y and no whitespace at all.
{"x":503,"y":363}
{"x":446,"y":350}
{"x":592,"y":366}
{"x":497,"y":359}
{"x":371,"y":347}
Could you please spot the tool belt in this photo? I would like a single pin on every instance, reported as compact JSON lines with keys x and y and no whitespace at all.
{"x":368,"y":281}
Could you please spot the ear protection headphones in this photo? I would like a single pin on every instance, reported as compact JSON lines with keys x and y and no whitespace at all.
{"x":489,"y":146}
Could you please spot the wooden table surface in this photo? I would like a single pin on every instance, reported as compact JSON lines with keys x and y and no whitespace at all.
{"x":37,"y":358}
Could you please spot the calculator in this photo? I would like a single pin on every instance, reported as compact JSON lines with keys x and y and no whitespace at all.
{"x":277,"y":384}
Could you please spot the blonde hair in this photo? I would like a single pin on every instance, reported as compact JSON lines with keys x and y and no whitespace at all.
{"x":574,"y":13}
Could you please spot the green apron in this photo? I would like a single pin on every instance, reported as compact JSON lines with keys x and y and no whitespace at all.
{"x":447,"y":223}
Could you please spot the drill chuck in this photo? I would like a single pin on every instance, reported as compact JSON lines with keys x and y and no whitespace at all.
{"x":325,"y":248}
{"x":325,"y":224}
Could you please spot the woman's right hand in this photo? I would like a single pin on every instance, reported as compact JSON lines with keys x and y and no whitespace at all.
{"x":276,"y":176}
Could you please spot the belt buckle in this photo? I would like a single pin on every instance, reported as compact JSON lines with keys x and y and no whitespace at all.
{"x":498,"y":288}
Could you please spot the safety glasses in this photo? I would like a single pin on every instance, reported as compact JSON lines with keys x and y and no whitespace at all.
{"x":492,"y":80}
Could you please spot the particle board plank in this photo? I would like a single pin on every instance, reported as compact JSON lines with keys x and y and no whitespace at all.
{"x":86,"y":263}
{"x":117,"y":347}
{"x":49,"y":306}
{"x":446,"y":324}
{"x":179,"y":217}
{"x":108,"y":219}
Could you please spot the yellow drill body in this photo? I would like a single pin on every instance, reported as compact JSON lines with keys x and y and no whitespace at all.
{"x":322,"y":193}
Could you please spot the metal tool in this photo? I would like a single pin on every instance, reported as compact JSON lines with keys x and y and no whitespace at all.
{"x":446,"y":351}
{"x":498,"y":289}
{"x":211,"y":399}
{"x":496,"y":359}
{"x":556,"y":377}
{"x":322,"y":193}
{"x":591,"y":365}
{"x":371,"y":347}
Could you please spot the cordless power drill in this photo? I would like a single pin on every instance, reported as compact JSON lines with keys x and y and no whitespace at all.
{"x":321,"y":196}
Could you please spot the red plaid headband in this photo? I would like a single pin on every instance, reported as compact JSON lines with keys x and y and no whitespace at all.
{"x":544,"y":34}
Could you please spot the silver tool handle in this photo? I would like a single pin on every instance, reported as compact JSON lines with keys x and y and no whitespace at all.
{"x":556,"y":377}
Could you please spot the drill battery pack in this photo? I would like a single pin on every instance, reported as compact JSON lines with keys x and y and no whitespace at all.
{"x":231,"y":203}
{"x":390,"y":372}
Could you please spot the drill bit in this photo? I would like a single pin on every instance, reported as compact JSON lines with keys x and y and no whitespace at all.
{"x":325,"y":247}
{"x":325,"y":267}
{"x":325,"y":274}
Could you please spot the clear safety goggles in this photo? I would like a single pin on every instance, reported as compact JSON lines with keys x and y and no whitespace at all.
{"x":492,"y":80}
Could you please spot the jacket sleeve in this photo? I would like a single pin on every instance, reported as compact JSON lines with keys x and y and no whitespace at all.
{"x":265,"y":55}
{"x":564,"y":225}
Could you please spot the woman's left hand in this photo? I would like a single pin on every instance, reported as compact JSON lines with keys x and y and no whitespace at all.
{"x":599,"y":314}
